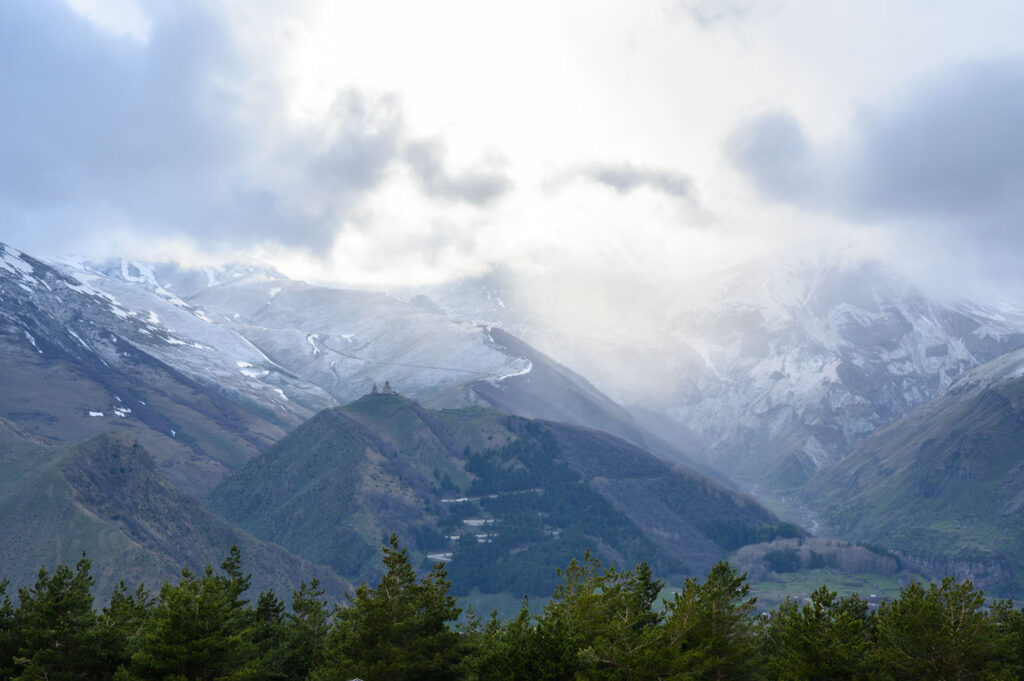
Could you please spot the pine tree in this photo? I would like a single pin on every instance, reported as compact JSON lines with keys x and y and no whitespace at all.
{"x":268,"y":630}
{"x":8,"y":632}
{"x":119,"y":627}
{"x":709,"y":632}
{"x":939,"y":633}
{"x":56,"y":626}
{"x":199,"y":630}
{"x":828,"y":638}
{"x":397,"y":631}
{"x":308,"y":625}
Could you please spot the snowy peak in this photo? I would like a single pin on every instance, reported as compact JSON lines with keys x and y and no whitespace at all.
{"x":168,"y":278}
{"x":806,"y":356}
{"x":277,"y":349}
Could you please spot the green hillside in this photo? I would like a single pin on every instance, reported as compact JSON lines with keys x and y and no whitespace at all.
{"x":106,"y":498}
{"x":944,"y":485}
{"x":500,"y":498}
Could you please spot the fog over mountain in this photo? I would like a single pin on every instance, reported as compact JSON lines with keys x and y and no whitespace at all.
{"x":757,"y":240}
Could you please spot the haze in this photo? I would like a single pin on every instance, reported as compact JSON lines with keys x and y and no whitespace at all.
{"x":610,"y":152}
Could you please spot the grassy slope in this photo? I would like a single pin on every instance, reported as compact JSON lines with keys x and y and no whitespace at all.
{"x":105,"y":497}
{"x":944,"y":484}
{"x":335,"y":487}
{"x":52,"y":393}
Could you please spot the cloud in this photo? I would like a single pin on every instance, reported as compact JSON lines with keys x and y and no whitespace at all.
{"x":711,"y":13}
{"x":624,"y":178}
{"x":184,"y":132}
{"x":479,"y":187}
{"x":952,"y":148}
{"x":772,"y":150}
{"x":948,"y":153}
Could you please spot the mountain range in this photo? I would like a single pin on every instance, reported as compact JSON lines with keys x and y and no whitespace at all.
{"x":161,"y":411}
{"x":779,"y":366}
{"x":209,"y":367}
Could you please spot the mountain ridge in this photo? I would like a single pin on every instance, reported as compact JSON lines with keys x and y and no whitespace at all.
{"x":459,"y":483}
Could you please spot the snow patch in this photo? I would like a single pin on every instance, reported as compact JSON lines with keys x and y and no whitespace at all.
{"x":11,"y":261}
{"x":520,"y":372}
{"x":32,"y":340}
{"x":79,"y":339}
{"x":312,"y":338}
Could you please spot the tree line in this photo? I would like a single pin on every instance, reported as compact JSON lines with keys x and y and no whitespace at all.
{"x":601,"y":623}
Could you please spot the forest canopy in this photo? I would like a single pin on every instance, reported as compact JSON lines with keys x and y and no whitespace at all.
{"x":601,"y":623}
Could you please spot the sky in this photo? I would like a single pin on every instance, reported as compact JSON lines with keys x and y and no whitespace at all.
{"x":615,"y":148}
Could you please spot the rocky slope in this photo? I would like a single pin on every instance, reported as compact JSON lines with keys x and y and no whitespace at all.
{"x":802,"y":357}
{"x":207,"y":367}
{"x":775,"y":368}
{"x":944,"y":485}
{"x":77,"y":362}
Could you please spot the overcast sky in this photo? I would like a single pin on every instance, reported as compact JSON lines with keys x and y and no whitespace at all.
{"x":386,"y":142}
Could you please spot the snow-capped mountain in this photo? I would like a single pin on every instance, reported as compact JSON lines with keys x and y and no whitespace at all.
{"x":803,"y":356}
{"x":780,"y":365}
{"x":240,"y":355}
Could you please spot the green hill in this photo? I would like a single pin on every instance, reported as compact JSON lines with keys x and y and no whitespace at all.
{"x":106,"y":498}
{"x":502,"y":498}
{"x":944,"y":485}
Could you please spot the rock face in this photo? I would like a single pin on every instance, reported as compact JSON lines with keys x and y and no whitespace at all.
{"x":77,"y":361}
{"x":779,"y":367}
{"x":795,"y":360}
{"x":208,"y":367}
{"x":944,"y":485}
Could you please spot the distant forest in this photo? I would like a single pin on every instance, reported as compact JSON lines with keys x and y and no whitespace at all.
{"x":601,"y":623}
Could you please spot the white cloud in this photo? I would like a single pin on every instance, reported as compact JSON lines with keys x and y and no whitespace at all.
{"x":371,"y":142}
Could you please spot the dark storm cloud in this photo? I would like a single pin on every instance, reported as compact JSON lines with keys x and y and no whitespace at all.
{"x":624,"y":178}
{"x":771,"y":150}
{"x":949,"y":154}
{"x":478,"y":187}
{"x":954,"y":147}
{"x":175,"y":135}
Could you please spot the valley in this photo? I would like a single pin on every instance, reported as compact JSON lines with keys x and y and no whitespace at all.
{"x":493,"y":456}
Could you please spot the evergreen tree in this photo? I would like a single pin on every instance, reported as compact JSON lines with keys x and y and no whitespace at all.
{"x":199,"y":630}
{"x":942,"y":633}
{"x":709,"y":632}
{"x":268,"y":636}
{"x":120,"y":626}
{"x":308,"y":625}
{"x":292,"y":644}
{"x":512,"y":651}
{"x":1009,"y":623}
{"x":55,"y":622}
{"x":8,"y":632}
{"x":827,"y":639}
{"x":397,"y":631}
{"x":608,"y":618}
